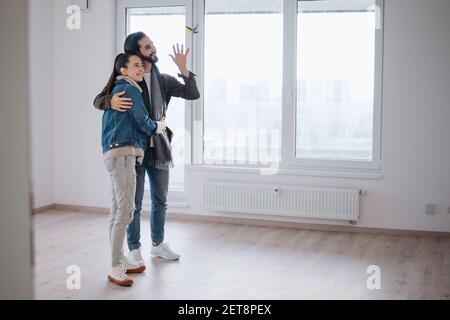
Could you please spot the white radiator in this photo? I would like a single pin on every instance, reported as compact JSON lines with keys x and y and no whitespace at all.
{"x":275,"y":200}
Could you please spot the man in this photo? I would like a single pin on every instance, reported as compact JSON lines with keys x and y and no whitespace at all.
{"x":157,"y":90}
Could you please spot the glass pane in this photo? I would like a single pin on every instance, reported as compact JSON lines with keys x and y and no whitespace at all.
{"x":243,"y":81}
{"x":166,"y":26}
{"x":335,"y":79}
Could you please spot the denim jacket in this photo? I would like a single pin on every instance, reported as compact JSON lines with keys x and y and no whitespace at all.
{"x":129,"y":128}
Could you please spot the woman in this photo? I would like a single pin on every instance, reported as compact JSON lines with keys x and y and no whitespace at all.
{"x":123,"y":142}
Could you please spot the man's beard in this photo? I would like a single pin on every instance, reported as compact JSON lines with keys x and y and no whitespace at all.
{"x":153,"y":58}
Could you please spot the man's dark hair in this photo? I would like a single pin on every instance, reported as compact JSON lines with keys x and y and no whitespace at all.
{"x":131,"y":44}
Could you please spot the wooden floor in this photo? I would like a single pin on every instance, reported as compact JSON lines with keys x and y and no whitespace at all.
{"x":229,"y":261}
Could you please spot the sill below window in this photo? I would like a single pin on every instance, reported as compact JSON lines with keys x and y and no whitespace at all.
{"x":330,"y":173}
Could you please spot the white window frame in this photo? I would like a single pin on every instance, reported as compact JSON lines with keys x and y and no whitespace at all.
{"x":289,"y":161}
{"x":121,"y":31}
{"x":288,"y":157}
{"x":198,"y":122}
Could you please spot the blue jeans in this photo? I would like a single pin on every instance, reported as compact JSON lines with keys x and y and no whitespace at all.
{"x":159,"y":186}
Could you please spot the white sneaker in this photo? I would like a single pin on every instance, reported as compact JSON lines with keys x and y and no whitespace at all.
{"x":163,"y":251}
{"x":118,"y":276}
{"x":132,"y":266}
{"x":135,"y":256}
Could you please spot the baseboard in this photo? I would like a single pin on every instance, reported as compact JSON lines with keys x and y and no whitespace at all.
{"x":76,"y":208}
{"x":310,"y":226}
{"x":43,"y":209}
{"x":263,"y":223}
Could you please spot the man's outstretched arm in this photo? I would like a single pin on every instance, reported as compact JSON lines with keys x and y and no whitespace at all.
{"x":102,"y":101}
{"x":188,"y":90}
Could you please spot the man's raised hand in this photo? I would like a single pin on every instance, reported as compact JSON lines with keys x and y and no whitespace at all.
{"x":179,"y":57}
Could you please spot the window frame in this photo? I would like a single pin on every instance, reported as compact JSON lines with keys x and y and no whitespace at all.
{"x":194,"y":122}
{"x":289,"y":160}
{"x":121,"y":32}
{"x":289,"y":157}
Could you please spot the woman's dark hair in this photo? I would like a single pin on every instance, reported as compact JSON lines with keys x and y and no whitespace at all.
{"x":131,"y":42}
{"x":121,"y":61}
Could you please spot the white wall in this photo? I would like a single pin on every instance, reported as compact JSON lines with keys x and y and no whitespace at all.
{"x":416,"y":131}
{"x":83,"y":62}
{"x":15,"y":214}
{"x":415,"y":150}
{"x":41,"y":100}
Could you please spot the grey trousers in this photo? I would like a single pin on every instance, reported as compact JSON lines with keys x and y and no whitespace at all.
{"x":122,"y":171}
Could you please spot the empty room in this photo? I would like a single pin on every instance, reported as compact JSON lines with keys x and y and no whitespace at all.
{"x":225,"y":150}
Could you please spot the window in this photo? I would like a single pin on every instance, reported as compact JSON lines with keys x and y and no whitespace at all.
{"x":335,"y":80}
{"x":292,"y":82}
{"x":165,"y":25}
{"x":243,"y":68}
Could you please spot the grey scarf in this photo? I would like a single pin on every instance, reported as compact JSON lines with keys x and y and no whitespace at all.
{"x":160,"y":155}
